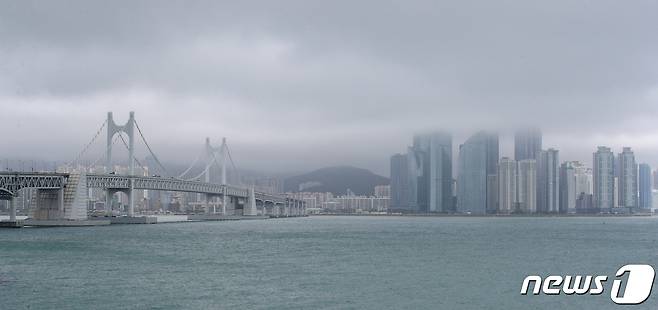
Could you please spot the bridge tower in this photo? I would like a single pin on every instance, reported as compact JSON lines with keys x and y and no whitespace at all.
{"x":210,"y":153}
{"x":112,"y":130}
{"x":128,"y":129}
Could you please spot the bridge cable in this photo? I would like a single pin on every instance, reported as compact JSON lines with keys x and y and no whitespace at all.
{"x":214,"y":160}
{"x":228,"y":151}
{"x":164,"y":170}
{"x":88,"y":145}
{"x":116,"y":138}
{"x":190,"y":167}
{"x":134,"y":157}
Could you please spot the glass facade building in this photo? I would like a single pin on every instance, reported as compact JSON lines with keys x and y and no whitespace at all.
{"x":527,"y":144}
{"x":548,"y":181}
{"x":627,"y":179}
{"x":421,"y":179}
{"x":645,"y":187}
{"x":475,"y":160}
{"x":604,"y":179}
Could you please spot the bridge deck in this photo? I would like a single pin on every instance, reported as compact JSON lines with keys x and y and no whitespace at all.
{"x":11,"y":182}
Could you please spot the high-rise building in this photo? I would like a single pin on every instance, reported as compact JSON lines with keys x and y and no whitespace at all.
{"x":492,"y":172}
{"x":492,"y":195}
{"x":527,"y":144}
{"x":568,"y":192}
{"x":472,"y":184}
{"x":435,"y":181}
{"x":414,"y":170}
{"x":399,"y":182}
{"x":421,"y":179}
{"x":655,"y":179}
{"x":507,"y":202}
{"x":548,"y":181}
{"x":604,"y":179}
{"x":584,"y":187}
{"x":645,"y":187}
{"x":527,"y":185}
{"x":583,"y":177}
{"x":627,"y":179}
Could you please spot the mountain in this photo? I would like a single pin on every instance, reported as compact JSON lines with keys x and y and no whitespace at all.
{"x":336,"y":180}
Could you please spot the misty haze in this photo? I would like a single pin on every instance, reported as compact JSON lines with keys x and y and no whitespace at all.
{"x":312,"y":154}
{"x":326,"y":84}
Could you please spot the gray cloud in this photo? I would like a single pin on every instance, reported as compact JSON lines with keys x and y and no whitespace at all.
{"x":301,"y":84}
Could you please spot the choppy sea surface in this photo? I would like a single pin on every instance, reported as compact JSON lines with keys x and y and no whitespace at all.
{"x":336,"y":262}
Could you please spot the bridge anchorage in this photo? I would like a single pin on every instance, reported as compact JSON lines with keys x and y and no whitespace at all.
{"x":63,"y":197}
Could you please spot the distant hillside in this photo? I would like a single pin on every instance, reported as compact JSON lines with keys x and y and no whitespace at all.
{"x":336,"y":180}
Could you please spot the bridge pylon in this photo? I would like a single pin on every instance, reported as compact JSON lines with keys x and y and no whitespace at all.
{"x":128,"y":129}
{"x":210,"y":153}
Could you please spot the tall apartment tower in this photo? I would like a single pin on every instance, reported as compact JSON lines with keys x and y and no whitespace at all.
{"x":627,"y":179}
{"x":604,"y":179}
{"x":399,"y":182}
{"x":492,"y":172}
{"x":527,"y":185}
{"x":435,"y":183}
{"x":583,"y":177}
{"x":507,"y":201}
{"x":474,"y":167}
{"x":568,"y":187}
{"x":548,"y":181}
{"x":527,"y":144}
{"x":645,"y":187}
{"x":405,"y":170}
{"x":584,"y":187}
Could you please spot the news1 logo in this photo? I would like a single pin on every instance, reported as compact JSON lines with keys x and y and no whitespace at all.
{"x":633,"y":290}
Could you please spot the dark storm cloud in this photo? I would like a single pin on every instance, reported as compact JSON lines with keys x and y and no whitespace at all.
{"x":303,"y":84}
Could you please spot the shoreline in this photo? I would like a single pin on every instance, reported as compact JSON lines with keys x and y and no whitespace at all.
{"x":491,"y":215}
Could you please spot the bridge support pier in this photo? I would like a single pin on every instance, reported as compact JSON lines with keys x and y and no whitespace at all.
{"x":205,"y":200}
{"x":250,"y":208}
{"x":131,"y":198}
{"x":276,"y":210}
{"x":12,"y":209}
{"x":108,"y":202}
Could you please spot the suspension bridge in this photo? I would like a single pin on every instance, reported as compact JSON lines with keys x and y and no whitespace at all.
{"x":64,"y":196}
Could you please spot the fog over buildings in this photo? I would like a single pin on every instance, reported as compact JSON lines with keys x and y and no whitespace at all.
{"x":300,"y":85}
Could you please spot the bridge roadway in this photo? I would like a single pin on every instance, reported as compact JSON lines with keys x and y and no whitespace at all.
{"x":12,"y":182}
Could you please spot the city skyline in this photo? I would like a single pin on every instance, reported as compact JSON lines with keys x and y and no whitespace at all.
{"x":536,"y":181}
{"x":506,"y":149}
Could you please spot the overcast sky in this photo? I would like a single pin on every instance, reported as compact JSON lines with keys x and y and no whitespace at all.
{"x":298,"y":85}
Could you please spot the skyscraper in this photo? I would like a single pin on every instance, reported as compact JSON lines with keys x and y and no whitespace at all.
{"x":627,"y":179}
{"x":399,"y":182}
{"x":604,"y":179}
{"x":473,"y":168}
{"x":548,"y":180}
{"x":645,"y":187}
{"x":492,"y":172}
{"x":421,"y":179}
{"x":507,"y":201}
{"x":527,"y":185}
{"x":527,"y":144}
{"x":413,"y":171}
{"x":583,"y":177}
{"x":404,"y":182}
{"x":435,"y":182}
{"x":568,"y":192}
{"x":584,"y":187}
